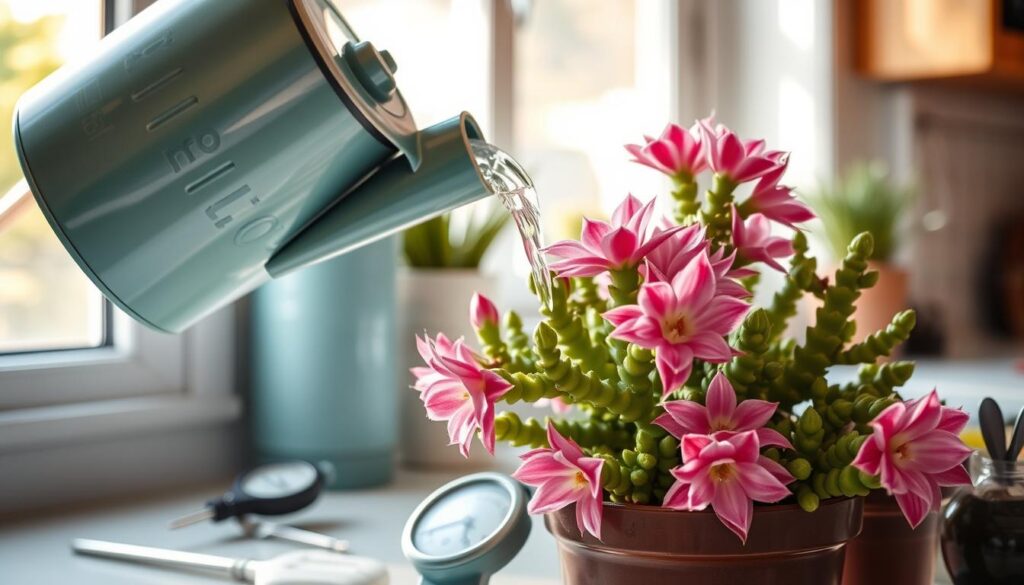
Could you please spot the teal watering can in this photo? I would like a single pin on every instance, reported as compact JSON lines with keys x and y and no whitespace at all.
{"x":211,"y":145}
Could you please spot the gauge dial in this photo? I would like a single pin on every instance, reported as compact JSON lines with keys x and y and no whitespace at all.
{"x":461,"y":519}
{"x":279,"y":479}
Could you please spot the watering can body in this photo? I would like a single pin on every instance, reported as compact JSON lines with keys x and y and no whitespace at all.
{"x":212,"y":144}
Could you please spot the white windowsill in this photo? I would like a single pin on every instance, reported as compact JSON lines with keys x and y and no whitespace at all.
{"x":47,"y":426}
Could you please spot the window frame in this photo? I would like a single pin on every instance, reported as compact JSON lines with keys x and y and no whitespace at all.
{"x":141,"y":381}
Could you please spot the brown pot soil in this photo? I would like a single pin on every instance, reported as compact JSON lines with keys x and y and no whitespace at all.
{"x":888,"y":550}
{"x":651,"y":545}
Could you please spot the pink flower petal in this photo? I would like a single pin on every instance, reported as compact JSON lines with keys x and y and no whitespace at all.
{"x":759,"y":484}
{"x":567,"y":447}
{"x":953,"y":476}
{"x":683,"y":417}
{"x":914,"y":507}
{"x":695,"y":285}
{"x":678,"y":496}
{"x":733,"y":508}
{"x":710,"y":346}
{"x":753,"y":414}
{"x":588,"y":516}
{"x":692,"y":445}
{"x":656,"y":299}
{"x":935,"y":451}
{"x":553,"y":495}
{"x":720,"y":401}
{"x":771,"y":438}
{"x":619,"y":245}
{"x":593,"y":232}
{"x":624,"y":314}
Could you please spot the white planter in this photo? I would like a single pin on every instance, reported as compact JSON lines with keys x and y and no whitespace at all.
{"x":434,"y":301}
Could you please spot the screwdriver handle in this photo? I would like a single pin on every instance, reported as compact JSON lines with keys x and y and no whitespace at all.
{"x":161,"y":557}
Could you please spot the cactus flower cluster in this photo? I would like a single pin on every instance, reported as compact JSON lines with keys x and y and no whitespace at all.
{"x":670,"y":387}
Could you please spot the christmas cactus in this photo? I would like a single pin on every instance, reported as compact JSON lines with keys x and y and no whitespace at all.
{"x":669,"y":388}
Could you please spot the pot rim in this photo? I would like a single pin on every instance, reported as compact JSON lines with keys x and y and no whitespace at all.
{"x":777,"y":530}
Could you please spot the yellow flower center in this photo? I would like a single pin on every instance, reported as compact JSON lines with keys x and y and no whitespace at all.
{"x":579,"y":480}
{"x":722,"y":472}
{"x":675,"y":328}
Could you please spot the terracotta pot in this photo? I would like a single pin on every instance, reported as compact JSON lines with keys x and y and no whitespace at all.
{"x":878,"y":304}
{"x":888,"y":550}
{"x":650,"y":545}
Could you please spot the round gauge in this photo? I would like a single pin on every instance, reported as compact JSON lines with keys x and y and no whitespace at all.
{"x":277,"y":480}
{"x":471,"y":526}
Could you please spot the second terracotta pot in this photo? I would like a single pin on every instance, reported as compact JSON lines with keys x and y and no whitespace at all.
{"x":651,"y":545}
{"x":888,"y":550}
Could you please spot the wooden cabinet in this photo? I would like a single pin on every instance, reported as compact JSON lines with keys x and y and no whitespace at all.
{"x":979,"y":40}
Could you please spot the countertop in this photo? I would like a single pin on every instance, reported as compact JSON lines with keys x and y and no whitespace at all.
{"x":36,"y":551}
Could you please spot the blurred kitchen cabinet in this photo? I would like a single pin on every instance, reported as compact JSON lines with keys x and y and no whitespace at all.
{"x":903,"y":40}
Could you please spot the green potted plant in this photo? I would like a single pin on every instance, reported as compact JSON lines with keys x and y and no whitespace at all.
{"x":441,"y":273}
{"x":866,"y":199}
{"x":703,"y":445}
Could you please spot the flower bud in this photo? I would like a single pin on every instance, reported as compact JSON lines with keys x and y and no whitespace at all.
{"x":482,"y":312}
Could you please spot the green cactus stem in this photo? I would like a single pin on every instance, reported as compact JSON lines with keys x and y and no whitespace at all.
{"x":585,"y":295}
{"x":825,"y":338}
{"x":510,"y":428}
{"x":800,"y":280}
{"x":684,"y":199}
{"x":885,"y":378}
{"x":716,"y":214}
{"x":752,"y":338}
{"x":518,"y":343}
{"x":573,"y":336}
{"x":569,"y":380}
{"x":624,"y":286}
{"x":489,"y":335}
{"x":880,"y":343}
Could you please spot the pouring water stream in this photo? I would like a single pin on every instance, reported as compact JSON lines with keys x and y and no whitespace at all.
{"x":506,"y":178}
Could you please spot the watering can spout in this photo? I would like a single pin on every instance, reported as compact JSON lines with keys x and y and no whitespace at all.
{"x":394,"y":198}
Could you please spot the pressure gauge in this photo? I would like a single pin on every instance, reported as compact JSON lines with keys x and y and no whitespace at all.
{"x":467,"y":530}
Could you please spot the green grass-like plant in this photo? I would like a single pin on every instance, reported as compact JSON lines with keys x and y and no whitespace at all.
{"x":454,"y":241}
{"x":864,"y":199}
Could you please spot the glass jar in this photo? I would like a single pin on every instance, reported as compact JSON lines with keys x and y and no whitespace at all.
{"x":983,"y":525}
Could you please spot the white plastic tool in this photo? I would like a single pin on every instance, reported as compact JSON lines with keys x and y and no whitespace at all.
{"x":306,"y":567}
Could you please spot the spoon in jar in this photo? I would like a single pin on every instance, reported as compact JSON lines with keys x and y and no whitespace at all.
{"x":993,"y":429}
{"x":1017,"y":439}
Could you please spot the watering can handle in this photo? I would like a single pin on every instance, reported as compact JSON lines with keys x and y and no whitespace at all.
{"x":394,"y":198}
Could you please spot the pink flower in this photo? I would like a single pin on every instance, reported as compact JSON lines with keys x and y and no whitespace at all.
{"x":455,"y":388}
{"x":622,"y":243}
{"x":722,"y":413}
{"x":739,"y":161}
{"x":724,"y":472}
{"x":915,"y":448}
{"x":669,"y":259}
{"x":754,"y":241}
{"x":685,"y":319}
{"x":677,"y":152}
{"x":776,"y":202}
{"x":562,"y":476}
{"x":482,"y":311}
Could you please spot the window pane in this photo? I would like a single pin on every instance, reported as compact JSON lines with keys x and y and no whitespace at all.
{"x":45,"y":301}
{"x":441,"y":47}
{"x":589,"y":78}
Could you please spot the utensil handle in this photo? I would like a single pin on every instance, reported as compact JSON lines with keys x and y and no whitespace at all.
{"x":160,"y":557}
{"x":300,"y":536}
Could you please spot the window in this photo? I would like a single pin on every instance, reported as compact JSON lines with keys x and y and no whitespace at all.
{"x":45,"y":300}
{"x":560,"y":84}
